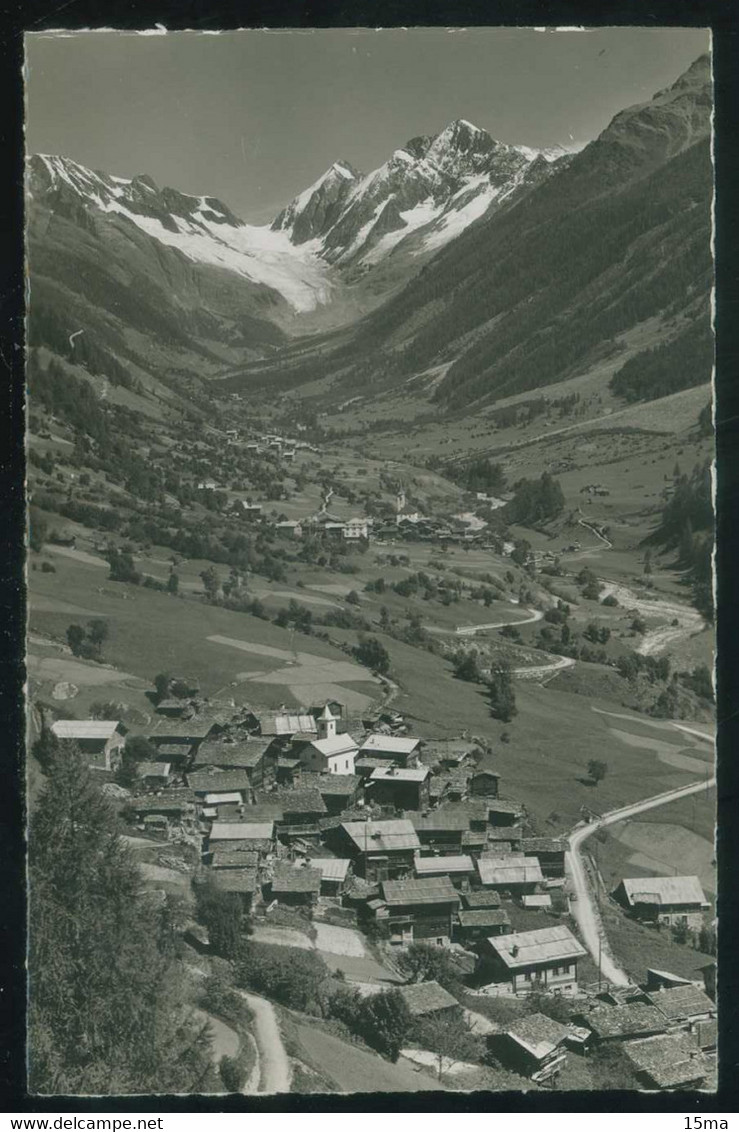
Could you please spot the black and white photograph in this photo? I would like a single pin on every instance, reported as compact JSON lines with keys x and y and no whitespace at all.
{"x":370,"y":645}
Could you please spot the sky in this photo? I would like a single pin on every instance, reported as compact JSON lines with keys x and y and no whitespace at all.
{"x":255,"y":117}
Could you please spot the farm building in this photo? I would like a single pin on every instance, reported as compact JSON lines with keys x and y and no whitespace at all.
{"x":257,"y":759}
{"x":523,"y":961}
{"x":481,"y":898}
{"x":339,"y":791}
{"x":235,"y":859}
{"x":514,"y":873}
{"x":449,"y":754}
{"x":682,"y":1006}
{"x":443,"y":830}
{"x":224,"y":835}
{"x":101,"y":741}
{"x":664,"y":900}
{"x":459,"y":869}
{"x":621,"y":1023}
{"x":534,"y":1046}
{"x":176,"y":806}
{"x":241,"y":881}
{"x":286,"y":725}
{"x":549,"y":851}
{"x":429,"y":1000}
{"x":334,"y":871}
{"x":204,"y":782}
{"x":536,"y":900}
{"x":485,"y":783}
{"x":402,"y":749}
{"x":658,"y":980}
{"x":501,"y":812}
{"x":670,"y":1061}
{"x":450,"y":787}
{"x":183,"y":732}
{"x":364,"y":765}
{"x":419,"y":909}
{"x":302,"y":811}
{"x":295,"y":884}
{"x":172,"y":708}
{"x":153,"y":774}
{"x":406,"y":788}
{"x":477,"y":924}
{"x":380,"y":849}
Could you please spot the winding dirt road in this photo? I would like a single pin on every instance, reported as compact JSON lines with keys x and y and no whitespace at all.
{"x":583,"y":906}
{"x":275,"y":1075}
{"x":470,"y":630}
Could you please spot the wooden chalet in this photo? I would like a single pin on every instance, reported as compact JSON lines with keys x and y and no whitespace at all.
{"x":485,"y":784}
{"x":535,"y":1046}
{"x":668,"y":900}
{"x":429,"y":1000}
{"x":418,"y":909}
{"x":683,"y":1005}
{"x":339,"y":791}
{"x":460,"y":869}
{"x":256,"y":758}
{"x":101,"y":741}
{"x":543,"y":959}
{"x":406,"y":788}
{"x":379,"y":849}
{"x":476,"y":924}
{"x":514,"y":873}
{"x":401,"y":749}
{"x":621,"y":1023}
{"x":295,"y":884}
{"x":443,"y":830}
{"x":242,"y":882}
{"x":671,"y":1061}
{"x":549,"y":851}
{"x":334,"y":873}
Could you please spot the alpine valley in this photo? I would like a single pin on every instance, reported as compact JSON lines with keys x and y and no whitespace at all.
{"x":370,"y":599}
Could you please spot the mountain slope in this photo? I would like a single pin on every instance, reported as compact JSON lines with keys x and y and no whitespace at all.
{"x":538,"y":292}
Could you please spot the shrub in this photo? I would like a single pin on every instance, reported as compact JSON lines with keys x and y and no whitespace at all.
{"x":293,"y":977}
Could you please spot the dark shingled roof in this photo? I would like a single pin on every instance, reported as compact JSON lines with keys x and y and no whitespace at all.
{"x":291,"y":878}
{"x":481,"y":899}
{"x":670,"y":1059}
{"x":483,"y":918}
{"x":429,"y":890}
{"x":534,"y":845}
{"x":455,"y":818}
{"x":246,"y":754}
{"x":267,"y":811}
{"x":329,"y":785}
{"x":681,"y":1003}
{"x":297,"y":801}
{"x":236,"y":880}
{"x":235,"y":858}
{"x":538,"y":1034}
{"x":426,"y":998}
{"x":623,"y":1021}
{"x":218,"y":782}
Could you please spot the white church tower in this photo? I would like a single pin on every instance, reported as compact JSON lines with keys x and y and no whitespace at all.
{"x":326,"y":724}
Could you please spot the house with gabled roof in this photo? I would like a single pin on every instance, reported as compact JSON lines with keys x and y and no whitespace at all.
{"x":295,"y":883}
{"x":683,"y":1005}
{"x":242,"y":882}
{"x":485,"y":783}
{"x":443,"y":830}
{"x":100,"y":741}
{"x":339,"y":791}
{"x":514,"y":873}
{"x":621,"y":1023}
{"x":475,"y":924}
{"x":460,"y":869}
{"x":549,"y":851}
{"x":402,"y":749}
{"x":545,"y":959}
{"x":406,"y":788}
{"x":669,"y":900}
{"x":334,"y":873}
{"x":379,"y":849}
{"x":534,"y":1046}
{"x":429,"y":1000}
{"x":257,"y":758}
{"x":671,"y":1061}
{"x":418,"y":909}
